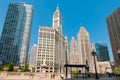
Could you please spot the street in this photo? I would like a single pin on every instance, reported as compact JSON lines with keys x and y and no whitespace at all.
{"x":105,"y":78}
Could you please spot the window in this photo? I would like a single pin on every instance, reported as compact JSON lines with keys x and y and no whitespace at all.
{"x":38,"y":67}
{"x":119,"y":55}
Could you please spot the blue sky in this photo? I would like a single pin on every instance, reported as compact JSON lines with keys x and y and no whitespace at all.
{"x":91,"y":13}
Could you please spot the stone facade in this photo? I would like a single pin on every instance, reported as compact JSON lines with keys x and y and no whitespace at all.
{"x":80,"y":52}
{"x":52,"y":47}
{"x":33,"y":55}
{"x":104,"y":67}
{"x":84,"y":48}
{"x":74,"y":56}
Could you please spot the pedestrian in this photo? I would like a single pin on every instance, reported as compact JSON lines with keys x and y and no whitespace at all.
{"x":31,"y":75}
{"x":88,"y":75}
{"x":62,"y":76}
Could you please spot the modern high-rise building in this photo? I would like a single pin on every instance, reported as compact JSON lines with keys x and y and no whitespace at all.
{"x":113,"y":24}
{"x":52,"y":47}
{"x":14,"y":41}
{"x":84,"y":48}
{"x":102,"y":52}
{"x":33,"y":55}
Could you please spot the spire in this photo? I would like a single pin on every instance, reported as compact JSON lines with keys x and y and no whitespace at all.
{"x":57,"y":12}
{"x":73,"y":46}
{"x":57,"y":20}
{"x":57,"y":7}
{"x":82,"y":29}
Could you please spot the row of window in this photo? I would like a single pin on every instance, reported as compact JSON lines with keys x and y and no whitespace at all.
{"x":46,"y":55}
{"x":44,"y":58}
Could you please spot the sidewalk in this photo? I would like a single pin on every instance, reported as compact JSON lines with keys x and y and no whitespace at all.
{"x":105,"y":78}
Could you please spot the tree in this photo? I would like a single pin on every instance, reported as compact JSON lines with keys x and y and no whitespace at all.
{"x":74,"y":73}
{"x":1,"y":68}
{"x":25,"y":68}
{"x":7,"y":67}
{"x":10,"y":65}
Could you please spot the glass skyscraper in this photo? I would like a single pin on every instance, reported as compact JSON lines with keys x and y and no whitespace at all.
{"x":102,"y":52}
{"x":14,"y":41}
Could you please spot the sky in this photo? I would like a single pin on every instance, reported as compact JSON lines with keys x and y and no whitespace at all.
{"x":90,"y":13}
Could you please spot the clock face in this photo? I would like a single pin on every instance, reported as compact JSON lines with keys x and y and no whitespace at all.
{"x":56,"y":19}
{"x":55,"y":22}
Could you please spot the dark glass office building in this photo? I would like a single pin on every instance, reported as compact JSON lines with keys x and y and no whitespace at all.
{"x":113,"y":24}
{"x":102,"y":52}
{"x":14,"y":41}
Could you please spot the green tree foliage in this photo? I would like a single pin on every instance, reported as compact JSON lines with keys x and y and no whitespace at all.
{"x":7,"y":67}
{"x":117,"y":70}
{"x":74,"y":73}
{"x":25,"y":68}
{"x":1,"y":68}
{"x":10,"y":65}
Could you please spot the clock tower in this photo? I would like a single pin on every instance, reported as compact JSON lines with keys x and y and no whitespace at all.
{"x":57,"y":20}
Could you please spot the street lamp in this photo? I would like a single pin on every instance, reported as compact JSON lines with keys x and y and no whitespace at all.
{"x":66,"y":56}
{"x":66,"y":63}
{"x":87,"y":69}
{"x":93,"y":54}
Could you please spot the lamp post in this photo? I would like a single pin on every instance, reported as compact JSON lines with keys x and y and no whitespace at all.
{"x":66,"y":57}
{"x":66,"y":63}
{"x":96,"y":75}
{"x":87,"y":69}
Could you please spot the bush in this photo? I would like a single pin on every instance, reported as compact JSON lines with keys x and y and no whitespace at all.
{"x":117,"y":70}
